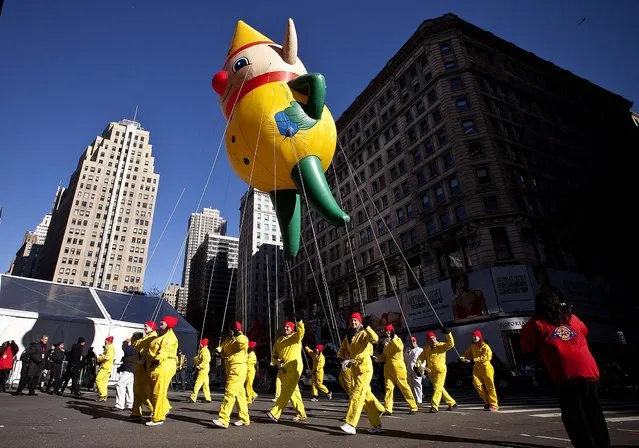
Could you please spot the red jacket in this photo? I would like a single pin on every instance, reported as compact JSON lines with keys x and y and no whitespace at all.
{"x":6,"y":359}
{"x":563,"y":349}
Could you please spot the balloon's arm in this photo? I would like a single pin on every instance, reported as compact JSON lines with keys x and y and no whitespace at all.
{"x":313,"y":86}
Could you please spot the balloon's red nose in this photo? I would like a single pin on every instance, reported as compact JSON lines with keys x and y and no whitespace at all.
{"x":219,"y":81}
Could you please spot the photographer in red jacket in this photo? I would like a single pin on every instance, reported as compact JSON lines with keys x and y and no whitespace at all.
{"x":560,"y":337}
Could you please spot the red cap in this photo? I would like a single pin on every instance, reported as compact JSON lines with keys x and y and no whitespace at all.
{"x":291,"y":325}
{"x":204,"y":342}
{"x":109,"y":340}
{"x":430,"y":334}
{"x":390,"y":327}
{"x":478,"y":334}
{"x":151,"y":325}
{"x":357,"y":316}
{"x":237,"y":326}
{"x":252,"y":344}
{"x":319,"y":347}
{"x":171,"y":321}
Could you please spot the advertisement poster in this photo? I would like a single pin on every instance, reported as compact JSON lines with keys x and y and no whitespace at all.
{"x":513,"y":288}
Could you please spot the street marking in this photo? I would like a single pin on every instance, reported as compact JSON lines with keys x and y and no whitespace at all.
{"x":546,"y":437}
{"x":518,"y":411}
{"x":558,"y":414}
{"x":392,"y":416}
{"x":628,"y":430}
{"x":485,"y":429}
{"x":457,"y":412}
{"x":630,"y":418}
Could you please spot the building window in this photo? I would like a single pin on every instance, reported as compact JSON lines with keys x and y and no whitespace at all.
{"x":469,"y":126}
{"x":461,"y":103}
{"x":430,"y":227}
{"x":421,"y":177}
{"x":450,"y":65}
{"x":437,"y":116}
{"x":432,"y":96}
{"x":446,"y":49}
{"x":483,"y":176}
{"x":453,"y":184}
{"x":444,"y":220}
{"x":442,"y":138}
{"x":456,"y":84}
{"x":439,"y":193}
{"x":417,"y":156}
{"x":490,"y":204}
{"x":448,"y":161}
{"x":460,"y":212}
{"x":475,"y":149}
{"x":426,"y":201}
{"x":501,"y":245}
{"x":434,"y":170}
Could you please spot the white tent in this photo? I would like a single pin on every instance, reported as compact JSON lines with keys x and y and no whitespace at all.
{"x":30,"y":308}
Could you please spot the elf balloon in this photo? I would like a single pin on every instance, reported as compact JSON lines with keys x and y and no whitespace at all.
{"x":280,"y":136}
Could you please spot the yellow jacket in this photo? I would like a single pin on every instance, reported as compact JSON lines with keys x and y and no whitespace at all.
{"x":361,"y":350}
{"x":162,"y":349}
{"x":252,"y":361}
{"x":106,"y":359}
{"x":479,"y":352}
{"x":142,"y":346}
{"x":435,"y":357}
{"x":235,"y":350}
{"x":318,"y":360}
{"x":202,"y":361}
{"x":393,"y":355}
{"x":288,"y":349}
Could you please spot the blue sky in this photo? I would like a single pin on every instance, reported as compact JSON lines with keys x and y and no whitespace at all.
{"x":68,"y":67}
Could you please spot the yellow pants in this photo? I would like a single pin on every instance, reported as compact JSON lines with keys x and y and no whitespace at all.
{"x":438,"y":379}
{"x":397,"y":377}
{"x":290,"y":391}
{"x":346,"y":380}
{"x":278,"y":384}
{"x":141,"y":391}
{"x":484,"y":382}
{"x":234,"y":391}
{"x":102,"y":382}
{"x":362,"y":399}
{"x":248,"y":386}
{"x":318,"y":384}
{"x":201,"y":381}
{"x":160,"y":381}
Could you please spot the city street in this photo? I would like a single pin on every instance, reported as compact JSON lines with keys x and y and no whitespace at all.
{"x":54,"y":421}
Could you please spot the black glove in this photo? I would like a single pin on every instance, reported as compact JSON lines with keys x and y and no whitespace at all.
{"x":155,"y":363}
{"x":445,"y":330}
{"x":417,"y":372}
{"x":217,"y":354}
{"x":236,"y":333}
{"x":367,"y":322}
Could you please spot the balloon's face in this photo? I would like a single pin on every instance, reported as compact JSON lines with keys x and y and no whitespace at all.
{"x":254,"y":61}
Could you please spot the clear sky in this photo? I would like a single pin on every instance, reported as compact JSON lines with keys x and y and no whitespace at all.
{"x":68,"y":67}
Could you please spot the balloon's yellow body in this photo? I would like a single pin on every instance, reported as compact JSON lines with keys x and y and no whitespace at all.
{"x":253,"y":136}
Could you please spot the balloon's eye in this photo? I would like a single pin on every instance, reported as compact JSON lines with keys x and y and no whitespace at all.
{"x":240,"y":64}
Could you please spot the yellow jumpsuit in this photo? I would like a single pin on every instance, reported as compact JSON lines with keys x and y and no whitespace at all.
{"x":395,"y":374}
{"x":360,"y":353}
{"x":318,"y":372}
{"x":435,"y":358}
{"x":278,"y":384}
{"x":483,"y":372}
{"x":141,"y":379}
{"x":203,"y":364}
{"x":161,"y":357}
{"x":106,"y":366}
{"x":250,"y":377}
{"x":346,"y":376}
{"x":288,"y":351}
{"x":234,"y":350}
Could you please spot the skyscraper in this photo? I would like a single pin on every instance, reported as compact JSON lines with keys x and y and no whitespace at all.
{"x":209,"y":222}
{"x":101,"y":225}
{"x":260,"y":258}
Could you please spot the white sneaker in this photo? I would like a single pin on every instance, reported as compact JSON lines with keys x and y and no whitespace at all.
{"x":240,"y":423}
{"x":375,"y":429}
{"x":216,"y":422}
{"x":273,"y":399}
{"x":313,"y":399}
{"x":348,"y":429}
{"x":152,"y":423}
{"x":330,"y":395}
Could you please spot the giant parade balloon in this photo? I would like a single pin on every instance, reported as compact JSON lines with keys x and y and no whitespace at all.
{"x":280,"y":136}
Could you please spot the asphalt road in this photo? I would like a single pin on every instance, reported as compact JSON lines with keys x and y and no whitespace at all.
{"x":53,"y":421}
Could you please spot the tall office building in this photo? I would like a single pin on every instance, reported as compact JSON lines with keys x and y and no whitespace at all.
{"x":26,"y":258}
{"x":492,"y":170}
{"x":42,"y":228}
{"x":208,"y":222}
{"x":260,"y":259}
{"x":171,"y":294}
{"x":212,"y":284}
{"x":101,"y":225}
